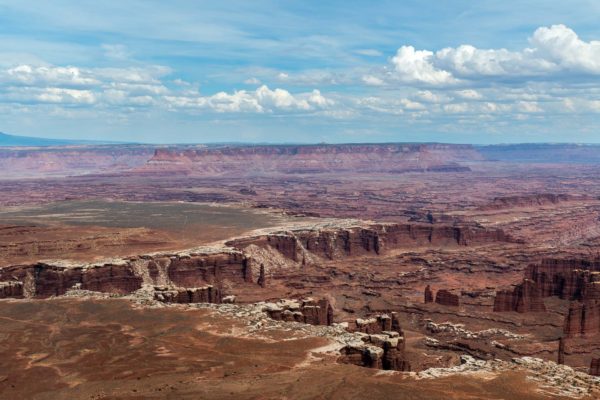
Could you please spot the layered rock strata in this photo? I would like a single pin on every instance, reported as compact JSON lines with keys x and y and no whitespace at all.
{"x":428,"y":295}
{"x":333,"y":243}
{"x":314,"y":159}
{"x":583,"y":319}
{"x":525,"y":297}
{"x":446,"y":298}
{"x":595,"y":367}
{"x":11,"y":289}
{"x":207,"y":294}
{"x":385,"y":334}
{"x":307,"y":311}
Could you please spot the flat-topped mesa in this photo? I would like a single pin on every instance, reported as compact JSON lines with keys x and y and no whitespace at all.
{"x":532,"y":200}
{"x":446,"y":298}
{"x":196,"y":270}
{"x":572,"y":279}
{"x":525,"y":297}
{"x":311,"y":159}
{"x":45,"y":280}
{"x":595,"y":367}
{"x":338,"y":242}
{"x":306,"y":311}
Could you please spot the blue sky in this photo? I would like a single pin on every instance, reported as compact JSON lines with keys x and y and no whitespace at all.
{"x":301,"y":71}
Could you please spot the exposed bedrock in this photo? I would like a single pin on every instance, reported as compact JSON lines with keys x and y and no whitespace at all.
{"x":332,"y":243}
{"x":308,"y":311}
{"x":583,"y":319}
{"x":314,"y":159}
{"x":572,"y":279}
{"x":207,"y":294}
{"x":447,"y":298}
{"x":428,"y":295}
{"x":533,"y":200}
{"x":44,"y":280}
{"x":382,"y":344}
{"x":188,"y":272}
{"x":12,"y":289}
{"x":595,"y":367}
{"x":525,"y":297}
{"x":377,"y":324}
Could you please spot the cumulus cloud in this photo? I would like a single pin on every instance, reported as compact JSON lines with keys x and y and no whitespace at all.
{"x":412,"y":65}
{"x":142,"y":87}
{"x":260,"y":100}
{"x":554,"y":50}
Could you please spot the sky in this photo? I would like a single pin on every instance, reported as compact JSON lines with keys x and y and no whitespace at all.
{"x":456,"y":71}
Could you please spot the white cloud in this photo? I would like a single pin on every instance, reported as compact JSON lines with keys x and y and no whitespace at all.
{"x":44,"y":75}
{"x":260,"y":100}
{"x":555,"y":51}
{"x":560,"y":45}
{"x":412,"y":65}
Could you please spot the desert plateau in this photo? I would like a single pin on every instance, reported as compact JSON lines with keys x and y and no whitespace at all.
{"x":396,"y":271}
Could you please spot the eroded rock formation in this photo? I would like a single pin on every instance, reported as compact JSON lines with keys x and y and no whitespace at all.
{"x":382,"y":345}
{"x":11,"y":289}
{"x":307,"y":311}
{"x":333,"y":243}
{"x":446,"y":298}
{"x":525,"y":297}
{"x":428,"y":295}
{"x":583,"y":319}
{"x":207,"y":294}
{"x":595,"y":367}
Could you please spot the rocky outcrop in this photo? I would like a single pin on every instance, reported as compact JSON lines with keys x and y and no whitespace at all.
{"x":207,"y":294}
{"x":428,"y":295}
{"x":12,"y":289}
{"x":571,"y":279}
{"x":561,"y":351}
{"x":376,"y":324}
{"x":307,"y":311}
{"x":583,"y":319}
{"x":335,"y":243}
{"x":447,"y":298}
{"x":595,"y":367}
{"x":525,"y":297}
{"x":380,"y":351}
{"x":196,"y":270}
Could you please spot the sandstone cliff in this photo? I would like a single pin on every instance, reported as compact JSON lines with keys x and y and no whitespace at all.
{"x":525,"y":297}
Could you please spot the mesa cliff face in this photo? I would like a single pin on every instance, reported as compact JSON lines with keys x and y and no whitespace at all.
{"x":372,"y":239}
{"x":572,"y":279}
{"x":310,"y":159}
{"x":526,"y":297}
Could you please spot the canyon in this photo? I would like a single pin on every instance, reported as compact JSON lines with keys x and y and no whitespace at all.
{"x":387,"y":268}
